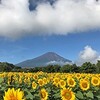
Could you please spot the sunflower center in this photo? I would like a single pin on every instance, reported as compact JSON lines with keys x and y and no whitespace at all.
{"x":56,"y":80}
{"x":84,"y":85}
{"x":41,"y":82}
{"x":62,"y":83}
{"x":35,"y":77}
{"x":12,"y":97}
{"x":78,"y":75}
{"x":95,"y":81}
{"x":68,"y":95}
{"x":71,"y":82}
{"x":34,"y":84}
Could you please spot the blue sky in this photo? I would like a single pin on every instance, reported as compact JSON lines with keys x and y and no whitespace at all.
{"x":68,"y":46}
{"x":71,"y":28}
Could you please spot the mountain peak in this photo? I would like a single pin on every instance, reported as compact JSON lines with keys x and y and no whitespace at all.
{"x":45,"y":59}
{"x":50,"y":53}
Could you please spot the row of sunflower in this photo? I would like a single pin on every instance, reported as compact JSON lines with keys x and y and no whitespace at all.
{"x":49,"y":86}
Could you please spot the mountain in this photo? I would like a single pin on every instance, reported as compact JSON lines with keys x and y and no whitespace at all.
{"x":45,"y":59}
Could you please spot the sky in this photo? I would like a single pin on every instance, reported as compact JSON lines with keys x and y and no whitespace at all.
{"x":30,"y":28}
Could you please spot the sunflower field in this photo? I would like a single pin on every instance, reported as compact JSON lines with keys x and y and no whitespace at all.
{"x":49,"y":86}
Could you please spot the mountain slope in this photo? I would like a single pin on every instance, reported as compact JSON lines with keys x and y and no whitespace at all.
{"x":43,"y":60}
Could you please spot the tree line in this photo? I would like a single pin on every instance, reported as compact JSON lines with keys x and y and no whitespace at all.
{"x":86,"y":67}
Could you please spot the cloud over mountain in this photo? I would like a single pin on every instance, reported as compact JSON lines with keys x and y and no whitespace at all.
{"x":88,"y":55}
{"x":61,"y":18}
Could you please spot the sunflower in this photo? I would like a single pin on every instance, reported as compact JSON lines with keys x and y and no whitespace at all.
{"x":71,"y":82}
{"x":95,"y":81}
{"x":34,"y":85}
{"x":78,"y":75}
{"x":62,"y":83}
{"x":84,"y":84}
{"x":43,"y":94}
{"x":13,"y":94}
{"x":67,"y":94}
{"x":56,"y":81}
{"x":40,"y":82}
{"x":45,"y":80}
{"x":35,"y":77}
{"x":20,"y":81}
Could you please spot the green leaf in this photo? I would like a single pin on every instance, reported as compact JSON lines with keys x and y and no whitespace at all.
{"x":98,"y":96}
{"x":57,"y":95}
{"x":79,"y":95}
{"x":90,"y":94}
{"x":1,"y":80}
{"x":29,"y":96}
{"x":3,"y":88}
{"x":76,"y":99}
{"x":96,"y":88}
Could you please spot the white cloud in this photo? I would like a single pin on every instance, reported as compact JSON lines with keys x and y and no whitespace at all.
{"x":88,"y":55}
{"x":58,"y":62}
{"x":62,"y":18}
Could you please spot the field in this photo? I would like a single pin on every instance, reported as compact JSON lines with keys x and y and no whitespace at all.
{"x":49,"y":86}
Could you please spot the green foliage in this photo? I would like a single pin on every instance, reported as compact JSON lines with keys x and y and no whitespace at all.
{"x":1,"y":80}
{"x":79,"y":95}
{"x":7,"y":67}
{"x":86,"y":67}
{"x":90,"y":95}
{"x":98,"y":66}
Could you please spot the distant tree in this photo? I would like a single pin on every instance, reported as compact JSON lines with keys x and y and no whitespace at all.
{"x":88,"y":67}
{"x":50,"y":68}
{"x":75,"y":68}
{"x":66,"y":68}
{"x":57,"y":68}
{"x":35,"y":69}
{"x":44,"y":69}
{"x":98,"y":66}
{"x":4,"y":66}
